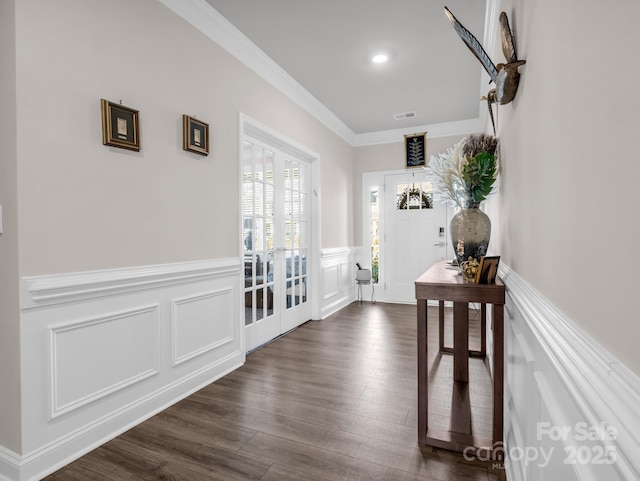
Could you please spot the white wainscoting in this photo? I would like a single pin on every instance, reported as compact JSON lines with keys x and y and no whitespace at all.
{"x":338,"y":279}
{"x":193,"y":332}
{"x":104,"y":350}
{"x":559,"y":378}
{"x":82,"y":348}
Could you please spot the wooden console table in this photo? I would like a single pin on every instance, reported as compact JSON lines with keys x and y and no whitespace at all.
{"x":442,"y":284}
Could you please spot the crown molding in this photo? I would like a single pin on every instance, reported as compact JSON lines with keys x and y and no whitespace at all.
{"x":461,"y":127}
{"x":208,"y":21}
{"x":492,"y":12}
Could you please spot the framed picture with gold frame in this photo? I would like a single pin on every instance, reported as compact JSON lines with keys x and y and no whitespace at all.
{"x":120,"y":126}
{"x":195,"y":135}
{"x":487,"y":270}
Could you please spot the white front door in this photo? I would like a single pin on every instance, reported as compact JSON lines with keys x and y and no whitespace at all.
{"x":415,"y":233}
{"x":275,"y":243}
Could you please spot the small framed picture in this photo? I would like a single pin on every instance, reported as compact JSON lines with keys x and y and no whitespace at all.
{"x":120,"y":126}
{"x":415,"y":150}
{"x":195,"y":135}
{"x":488,"y":270}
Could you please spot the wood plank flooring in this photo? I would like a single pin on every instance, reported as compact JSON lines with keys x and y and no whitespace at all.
{"x":334,"y":400}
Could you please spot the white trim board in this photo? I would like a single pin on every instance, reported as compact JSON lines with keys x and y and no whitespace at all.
{"x":568,"y":377}
{"x":38,"y":291}
{"x":9,"y":465}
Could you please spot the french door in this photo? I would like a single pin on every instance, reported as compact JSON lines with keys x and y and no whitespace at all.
{"x":275,"y":243}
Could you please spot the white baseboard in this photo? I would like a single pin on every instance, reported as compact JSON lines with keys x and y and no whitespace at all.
{"x":338,"y":304}
{"x":118,"y":346}
{"x":9,"y":465}
{"x":49,"y":458}
{"x":558,"y":377}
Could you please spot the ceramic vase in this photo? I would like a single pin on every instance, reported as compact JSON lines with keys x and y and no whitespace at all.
{"x":470,"y":231}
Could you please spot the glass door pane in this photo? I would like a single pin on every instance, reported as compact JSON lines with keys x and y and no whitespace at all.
{"x":296,"y":226}
{"x":258,"y":232}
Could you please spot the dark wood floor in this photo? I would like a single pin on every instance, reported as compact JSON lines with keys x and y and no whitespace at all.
{"x":332,"y":400}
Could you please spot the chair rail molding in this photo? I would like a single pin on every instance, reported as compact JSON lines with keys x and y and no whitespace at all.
{"x":54,"y":289}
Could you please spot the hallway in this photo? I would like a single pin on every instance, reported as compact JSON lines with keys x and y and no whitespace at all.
{"x":333,"y":400}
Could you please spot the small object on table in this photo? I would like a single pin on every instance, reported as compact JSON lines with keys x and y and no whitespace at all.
{"x":470,"y":269}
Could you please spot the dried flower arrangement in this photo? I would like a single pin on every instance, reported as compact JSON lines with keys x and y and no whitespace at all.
{"x":466,"y":173}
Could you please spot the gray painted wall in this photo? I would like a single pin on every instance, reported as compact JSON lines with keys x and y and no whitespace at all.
{"x":567,"y":215}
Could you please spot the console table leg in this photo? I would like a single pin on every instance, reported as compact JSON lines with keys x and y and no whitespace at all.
{"x":483,"y":330}
{"x":460,"y":341}
{"x":441,"y":325}
{"x":423,"y":372}
{"x":498,"y":371}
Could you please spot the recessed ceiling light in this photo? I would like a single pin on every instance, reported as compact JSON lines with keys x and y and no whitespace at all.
{"x":380,"y":58}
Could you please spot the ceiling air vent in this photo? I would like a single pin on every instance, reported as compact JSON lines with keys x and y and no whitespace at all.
{"x":406,"y":115}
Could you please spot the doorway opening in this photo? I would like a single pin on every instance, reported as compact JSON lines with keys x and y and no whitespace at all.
{"x":404,"y":231}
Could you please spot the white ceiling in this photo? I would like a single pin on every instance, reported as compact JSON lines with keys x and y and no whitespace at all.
{"x":327,"y":45}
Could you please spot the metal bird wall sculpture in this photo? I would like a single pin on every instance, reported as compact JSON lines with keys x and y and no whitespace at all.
{"x":505,"y":76}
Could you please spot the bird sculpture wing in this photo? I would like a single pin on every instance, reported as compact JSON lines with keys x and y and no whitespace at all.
{"x":474,"y":45}
{"x":508,"y":43}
